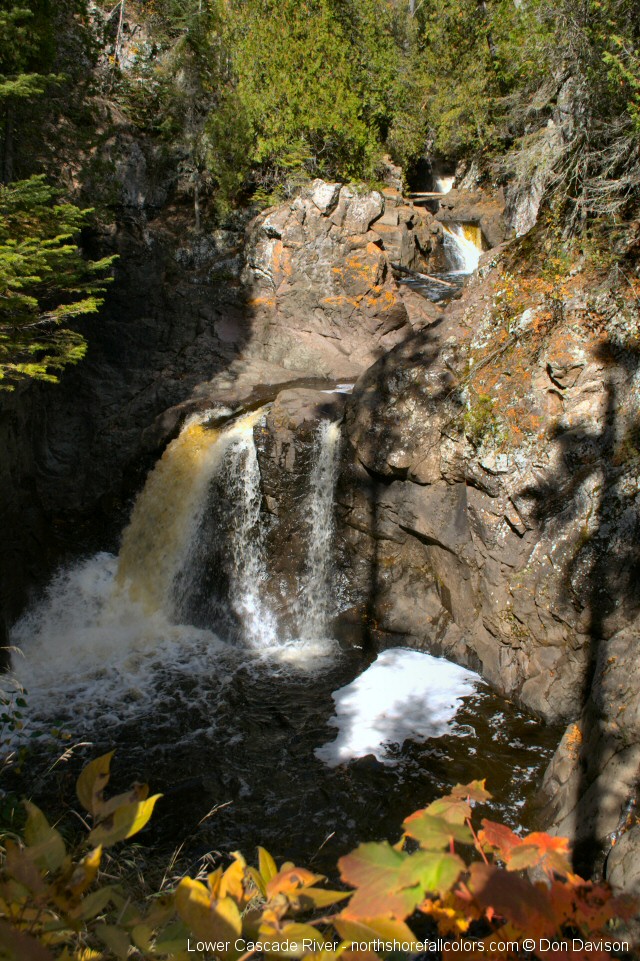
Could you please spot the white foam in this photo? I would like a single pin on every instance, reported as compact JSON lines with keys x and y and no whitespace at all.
{"x":442,"y":185}
{"x":404,"y":695}
{"x":87,"y":647}
{"x":464,"y":243}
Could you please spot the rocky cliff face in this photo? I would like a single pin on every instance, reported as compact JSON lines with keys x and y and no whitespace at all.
{"x":322,"y":294}
{"x":487,"y":507}
{"x":489,"y":512}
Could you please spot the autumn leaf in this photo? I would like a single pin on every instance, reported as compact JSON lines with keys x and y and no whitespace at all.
{"x":452,"y":809}
{"x":288,"y":881}
{"x":207,"y":918}
{"x":123,"y":823}
{"x":543,"y":851}
{"x":435,"y":833}
{"x":374,"y":870}
{"x":92,"y":782}
{"x":514,"y":898}
{"x":474,"y":791}
{"x":499,"y":837}
{"x":373,"y":929}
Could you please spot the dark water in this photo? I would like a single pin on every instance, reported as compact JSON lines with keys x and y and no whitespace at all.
{"x":240,"y":738}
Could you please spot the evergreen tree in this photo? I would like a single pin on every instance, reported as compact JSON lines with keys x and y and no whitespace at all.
{"x":44,"y":282}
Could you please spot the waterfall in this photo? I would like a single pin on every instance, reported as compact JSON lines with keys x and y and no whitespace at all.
{"x":463,"y":242}
{"x":160,"y":546}
{"x":248,"y":568}
{"x":316,"y":595}
{"x":442,"y":185}
{"x":108,"y":630}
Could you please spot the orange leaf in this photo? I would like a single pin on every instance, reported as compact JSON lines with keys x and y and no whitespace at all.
{"x":518,"y":900}
{"x":499,"y":837}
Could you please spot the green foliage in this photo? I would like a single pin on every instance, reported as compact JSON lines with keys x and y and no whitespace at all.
{"x":44,"y":282}
{"x":55,"y":904}
{"x":480,"y":421}
{"x":265,"y":95}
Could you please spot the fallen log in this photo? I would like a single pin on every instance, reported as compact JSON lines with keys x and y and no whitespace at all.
{"x":419,"y":276}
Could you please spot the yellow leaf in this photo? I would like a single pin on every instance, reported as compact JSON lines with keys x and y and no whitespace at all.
{"x":210,"y":920}
{"x":384,"y":929}
{"x":214,"y":880}
{"x":92,"y":782}
{"x":258,"y":880}
{"x":45,"y":845}
{"x":319,"y":898}
{"x":139,"y":792}
{"x":293,"y":939}
{"x":290,"y":880}
{"x":231,"y":884}
{"x":123,"y":822}
{"x":85,"y":872}
{"x":266,"y":865}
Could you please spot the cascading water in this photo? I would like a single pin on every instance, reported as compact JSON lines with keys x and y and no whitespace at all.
{"x":170,"y":653}
{"x":316,"y":594}
{"x":248,"y":570}
{"x":443,"y":185}
{"x":463,"y":244}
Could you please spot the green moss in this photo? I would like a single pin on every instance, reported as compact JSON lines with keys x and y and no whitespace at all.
{"x":480,"y":421}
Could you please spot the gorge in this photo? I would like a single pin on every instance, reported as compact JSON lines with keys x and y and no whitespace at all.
{"x":340,"y":509}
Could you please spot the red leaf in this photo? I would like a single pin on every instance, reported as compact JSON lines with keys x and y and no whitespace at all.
{"x":499,"y":837}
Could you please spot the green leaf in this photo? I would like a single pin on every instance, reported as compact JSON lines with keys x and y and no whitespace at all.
{"x":115,"y":939}
{"x":431,"y":871}
{"x":435,"y":833}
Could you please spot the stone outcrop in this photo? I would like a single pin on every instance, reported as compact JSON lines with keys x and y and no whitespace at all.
{"x":321,"y":294}
{"x":486,"y":210}
{"x":488,"y":511}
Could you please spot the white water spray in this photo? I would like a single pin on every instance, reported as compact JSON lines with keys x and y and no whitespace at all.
{"x":316,"y":596}
{"x":248,"y":570}
{"x":464,"y":244}
{"x":404,"y":695}
{"x":443,"y":185}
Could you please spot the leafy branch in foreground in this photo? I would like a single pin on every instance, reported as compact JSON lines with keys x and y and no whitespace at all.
{"x":445,"y":875}
{"x":44,"y":282}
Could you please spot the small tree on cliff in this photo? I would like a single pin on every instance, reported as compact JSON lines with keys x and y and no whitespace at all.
{"x":44,"y":282}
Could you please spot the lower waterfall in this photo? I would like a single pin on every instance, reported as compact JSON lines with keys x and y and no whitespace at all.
{"x":316,"y":595}
{"x":170,"y":653}
{"x":248,"y":568}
